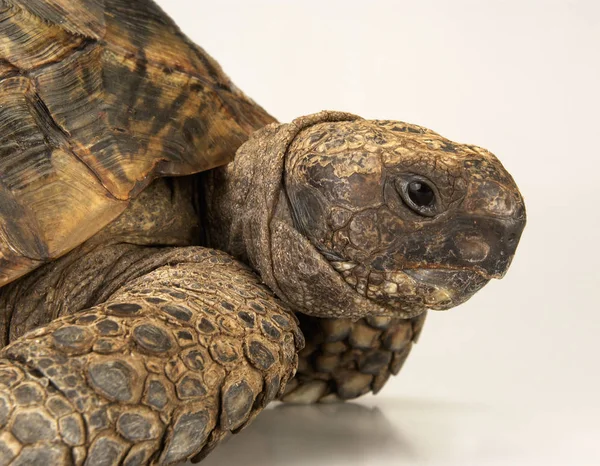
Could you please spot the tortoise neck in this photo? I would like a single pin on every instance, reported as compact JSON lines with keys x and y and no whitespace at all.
{"x":239,"y":198}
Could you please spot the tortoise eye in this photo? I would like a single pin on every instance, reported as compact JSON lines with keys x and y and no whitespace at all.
{"x":419,"y":195}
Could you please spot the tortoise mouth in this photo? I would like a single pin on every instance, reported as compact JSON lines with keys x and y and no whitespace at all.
{"x":449,"y":287}
{"x":412,"y":291}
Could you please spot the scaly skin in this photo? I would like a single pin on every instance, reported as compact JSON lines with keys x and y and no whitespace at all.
{"x":250,"y":211}
{"x":343,"y":359}
{"x":131,"y":345}
{"x":316,"y":207}
{"x":159,"y":373}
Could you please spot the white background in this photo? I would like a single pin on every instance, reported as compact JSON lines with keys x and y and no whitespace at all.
{"x":512,"y":377}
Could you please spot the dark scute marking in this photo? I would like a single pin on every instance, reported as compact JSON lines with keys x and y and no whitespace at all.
{"x":237,"y":403}
{"x":6,"y":453}
{"x":156,"y":300}
{"x":375,"y":362}
{"x":4,"y":411}
{"x":71,"y":431}
{"x":45,"y":363}
{"x":351,"y":384}
{"x":179,"y":312}
{"x":58,"y":406}
{"x":54,"y":132}
{"x":448,"y":147}
{"x":137,"y":81}
{"x":194,"y":360}
{"x":108,"y":327}
{"x":189,"y":434}
{"x":299,"y":339}
{"x":206,"y":326}
{"x":398,"y":360}
{"x":207,"y":309}
{"x":104,"y":452}
{"x":258,"y":308}
{"x":228,"y":306}
{"x":8,"y":377}
{"x":407,"y":129}
{"x":177,"y":294}
{"x":98,"y":420}
{"x":32,"y":427}
{"x":272,"y":389}
{"x":309,"y":207}
{"x":216,"y":75}
{"x":270,"y":330}
{"x":71,"y":337}
{"x":106,"y":346}
{"x":157,"y":395}
{"x":247,"y":318}
{"x":193,"y":129}
{"x":71,"y":380}
{"x":152,"y":338}
{"x":197,"y":86}
{"x":317,"y":136}
{"x":380,"y":264}
{"x":190,"y":387}
{"x":134,"y":427}
{"x":260,"y":356}
{"x":124,"y":309}
{"x":282,"y":321}
{"x":28,"y":393}
{"x":112,"y":379}
{"x":44,"y":455}
{"x":135,"y":459}
{"x":87,"y":319}
{"x":184,"y":335}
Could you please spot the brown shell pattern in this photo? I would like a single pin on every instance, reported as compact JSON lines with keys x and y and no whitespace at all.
{"x":97,"y":98}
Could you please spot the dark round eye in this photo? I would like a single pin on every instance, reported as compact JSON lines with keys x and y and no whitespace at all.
{"x":419,"y":195}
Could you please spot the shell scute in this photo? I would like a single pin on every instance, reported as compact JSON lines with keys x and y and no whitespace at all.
{"x":98,"y":98}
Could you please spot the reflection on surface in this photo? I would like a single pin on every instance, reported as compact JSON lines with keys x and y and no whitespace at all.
{"x":416,"y":431}
{"x":304,"y":435}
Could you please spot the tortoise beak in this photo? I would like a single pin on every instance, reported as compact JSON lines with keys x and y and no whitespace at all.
{"x":481,"y":235}
{"x":487,"y":249}
{"x":497,"y":217}
{"x":478,"y":245}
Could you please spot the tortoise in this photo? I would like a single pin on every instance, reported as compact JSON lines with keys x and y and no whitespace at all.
{"x":173,"y":259}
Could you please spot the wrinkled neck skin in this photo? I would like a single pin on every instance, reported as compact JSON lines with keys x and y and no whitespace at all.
{"x":247,"y":214}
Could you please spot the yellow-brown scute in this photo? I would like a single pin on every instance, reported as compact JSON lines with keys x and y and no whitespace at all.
{"x":96,"y":100}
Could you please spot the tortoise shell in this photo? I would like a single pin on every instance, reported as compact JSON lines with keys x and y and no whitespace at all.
{"x":98,"y":98}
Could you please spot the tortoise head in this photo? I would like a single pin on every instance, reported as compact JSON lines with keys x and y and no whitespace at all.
{"x":377,"y":217}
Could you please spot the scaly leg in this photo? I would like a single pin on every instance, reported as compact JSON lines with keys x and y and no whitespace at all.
{"x":169,"y":365}
{"x":343,"y":360}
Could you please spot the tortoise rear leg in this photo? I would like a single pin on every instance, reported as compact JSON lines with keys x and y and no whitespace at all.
{"x":343,"y":359}
{"x":168,"y":366}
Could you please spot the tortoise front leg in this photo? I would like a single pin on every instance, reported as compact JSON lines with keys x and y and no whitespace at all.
{"x":343,"y":359}
{"x":168,"y":366}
